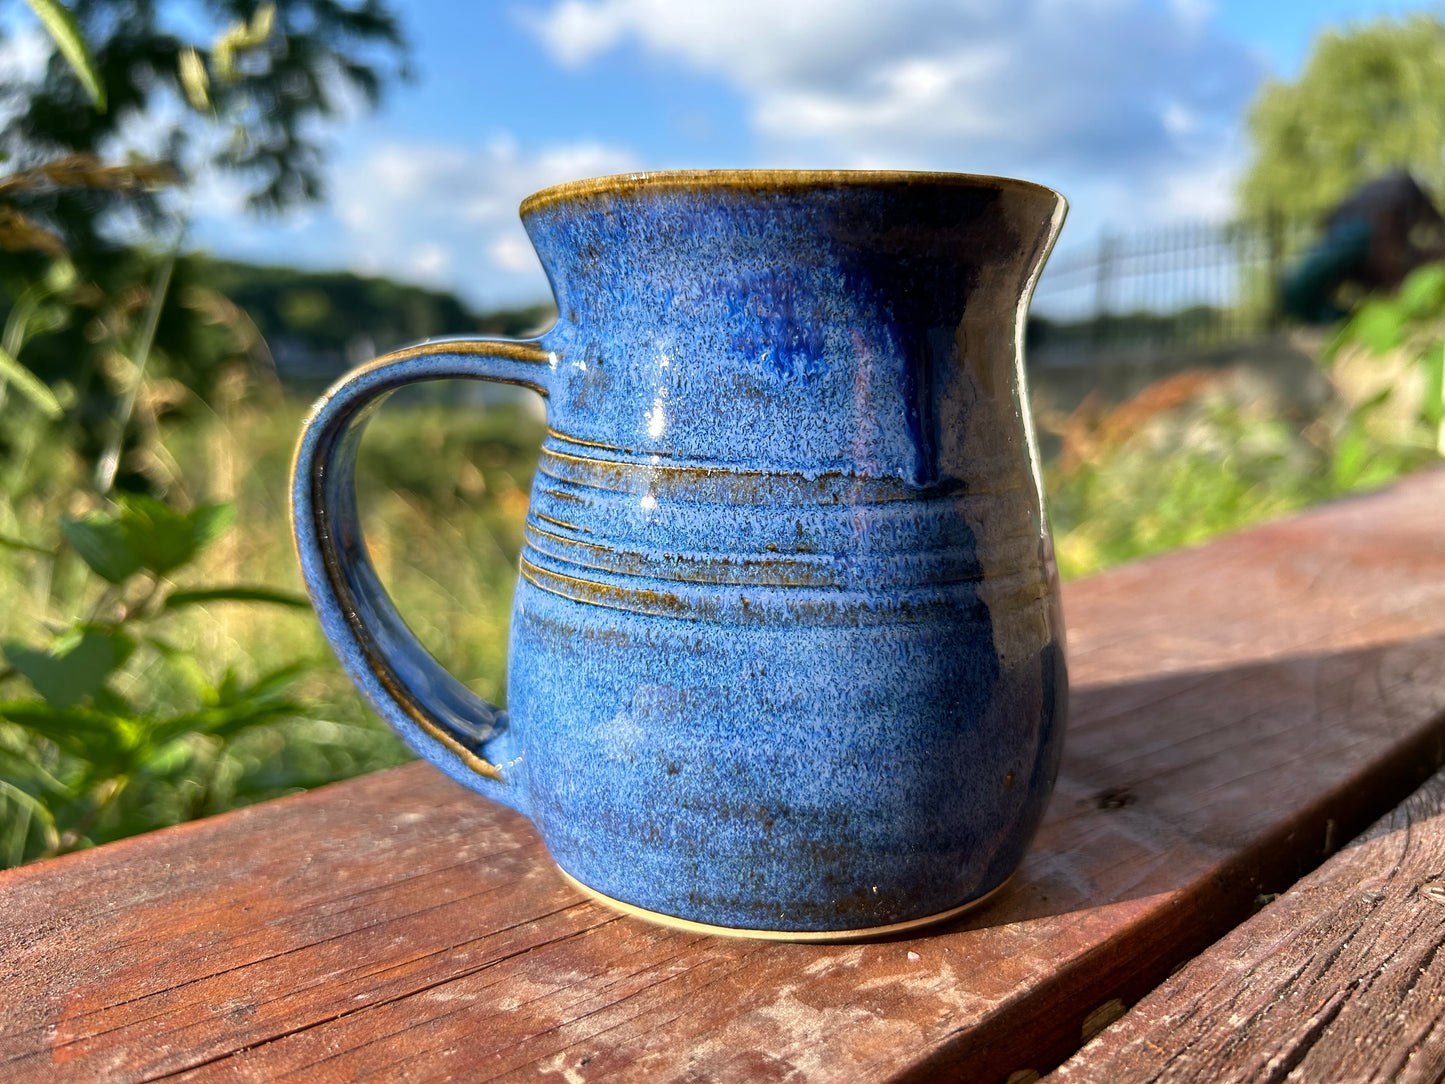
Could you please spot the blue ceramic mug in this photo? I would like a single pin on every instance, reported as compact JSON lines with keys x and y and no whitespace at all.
{"x":786,"y":649}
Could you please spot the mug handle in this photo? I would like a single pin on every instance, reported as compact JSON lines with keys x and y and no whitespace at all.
{"x":435,"y":714}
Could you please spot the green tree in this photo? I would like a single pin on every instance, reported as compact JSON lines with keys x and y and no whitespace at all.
{"x":102,"y":715}
{"x":96,"y":152}
{"x":1370,"y":99}
{"x":241,"y":91}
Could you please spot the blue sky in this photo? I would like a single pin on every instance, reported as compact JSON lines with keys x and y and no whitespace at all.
{"x":1132,"y":108}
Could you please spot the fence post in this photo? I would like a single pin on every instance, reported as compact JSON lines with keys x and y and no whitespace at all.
{"x":1103,"y":273}
{"x":1274,"y":240}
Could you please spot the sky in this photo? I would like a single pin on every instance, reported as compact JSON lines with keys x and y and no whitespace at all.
{"x":1132,"y":108}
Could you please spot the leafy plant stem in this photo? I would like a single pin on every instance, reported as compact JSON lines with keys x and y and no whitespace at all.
{"x":61,"y":26}
{"x":208,"y":783}
{"x":109,"y":463}
{"x":106,"y":792}
{"x":136,"y":609}
{"x":19,"y":319}
{"x":17,"y":326}
{"x":104,"y":602}
{"x":30,"y":810}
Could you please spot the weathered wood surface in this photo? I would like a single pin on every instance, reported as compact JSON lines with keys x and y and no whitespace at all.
{"x":1336,"y":981}
{"x":1239,"y":711}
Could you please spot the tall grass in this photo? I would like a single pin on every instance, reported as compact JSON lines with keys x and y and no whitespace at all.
{"x":443,"y":491}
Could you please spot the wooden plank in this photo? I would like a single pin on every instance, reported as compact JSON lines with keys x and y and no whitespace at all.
{"x":1239,"y":711}
{"x":1336,"y":980}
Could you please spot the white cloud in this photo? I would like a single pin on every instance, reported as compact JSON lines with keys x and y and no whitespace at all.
{"x":24,"y":51}
{"x":1097,"y":97}
{"x":1195,"y":13}
{"x":447,"y":216}
{"x":430,"y":260}
{"x":766,"y":40}
{"x":512,"y":254}
{"x":575,"y":31}
{"x":1130,"y":107}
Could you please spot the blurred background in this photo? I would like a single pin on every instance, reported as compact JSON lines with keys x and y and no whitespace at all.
{"x":208,"y":212}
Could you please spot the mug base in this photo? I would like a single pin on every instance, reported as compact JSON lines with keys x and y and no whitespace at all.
{"x":859,"y":934}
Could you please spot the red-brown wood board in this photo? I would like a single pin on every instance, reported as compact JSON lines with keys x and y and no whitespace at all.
{"x":1239,"y":711}
{"x":1340,"y":979}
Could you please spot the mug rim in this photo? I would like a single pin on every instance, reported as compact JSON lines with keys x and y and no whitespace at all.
{"x":622,"y":184}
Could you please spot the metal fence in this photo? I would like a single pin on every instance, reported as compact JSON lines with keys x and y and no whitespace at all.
{"x":1198,"y":284}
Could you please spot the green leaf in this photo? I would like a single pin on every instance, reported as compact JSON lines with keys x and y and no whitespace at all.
{"x":236,"y":593}
{"x":1351,"y":456}
{"x":228,"y":692}
{"x":25,"y":773}
{"x":1422,"y":295}
{"x":121,"y":644}
{"x":161,"y":538}
{"x":1432,"y":408}
{"x":95,"y":736}
{"x":1372,"y":404}
{"x":233,"y":707}
{"x":226,"y":721}
{"x":29,"y":385}
{"x":64,"y":31}
{"x":145,"y":533}
{"x":103,"y":543}
{"x":111,"y":702}
{"x":76,"y":668}
{"x":185,"y":663}
{"x":1378,"y":325}
{"x":164,"y":539}
{"x":210,"y":521}
{"x":170,"y":758}
{"x":274,"y":682}
{"x":18,"y":828}
{"x":245,"y":716}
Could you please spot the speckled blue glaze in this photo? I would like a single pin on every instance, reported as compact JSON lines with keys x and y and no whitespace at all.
{"x":786,"y":650}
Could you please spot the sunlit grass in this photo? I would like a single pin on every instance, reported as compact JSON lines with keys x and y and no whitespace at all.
{"x":443,"y":491}
{"x":444,"y":494}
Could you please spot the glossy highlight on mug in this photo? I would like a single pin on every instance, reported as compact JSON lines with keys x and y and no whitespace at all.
{"x":786,"y":651}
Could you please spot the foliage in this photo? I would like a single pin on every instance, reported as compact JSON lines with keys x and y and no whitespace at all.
{"x":1187,"y":326}
{"x":253,"y":82}
{"x":116,"y":723}
{"x":70,"y":751}
{"x":443,"y":491}
{"x":1370,"y":99}
{"x":317,"y":324}
{"x":156,"y":661}
{"x":1190,"y":458}
{"x":324,"y":310}
{"x":65,"y":32}
{"x":242,"y":91}
{"x":1412,"y":323}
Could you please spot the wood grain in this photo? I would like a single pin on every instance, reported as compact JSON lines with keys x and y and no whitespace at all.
{"x":1337,"y":980}
{"x":1240,"y":711}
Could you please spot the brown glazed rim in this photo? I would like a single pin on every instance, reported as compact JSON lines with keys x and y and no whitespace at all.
{"x":621,"y":184}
